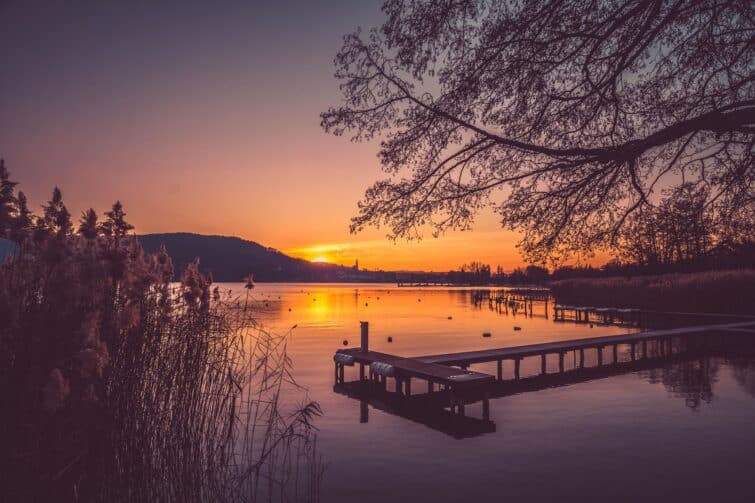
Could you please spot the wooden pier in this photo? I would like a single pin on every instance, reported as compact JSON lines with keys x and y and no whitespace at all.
{"x":514,"y":299}
{"x":601,"y":315}
{"x":458,"y":386}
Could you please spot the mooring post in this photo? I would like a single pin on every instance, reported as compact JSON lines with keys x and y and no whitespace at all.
{"x":364,"y":412}
{"x":600,"y":355}
{"x":561,"y":361}
{"x":365,"y":327}
{"x":615,"y":353}
{"x":500,"y":370}
{"x":361,"y":371}
{"x":408,"y":386}
{"x":516,"y":368}
{"x":542,"y":364}
{"x":581,"y":358}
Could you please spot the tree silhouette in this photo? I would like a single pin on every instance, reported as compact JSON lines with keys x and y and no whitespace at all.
{"x":7,"y":200}
{"x":115,"y":224}
{"x":56,"y":217}
{"x":568,"y":117}
{"x":88,"y":224}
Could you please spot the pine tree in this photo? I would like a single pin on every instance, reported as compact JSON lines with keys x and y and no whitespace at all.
{"x":22,"y":223}
{"x":56,"y":216}
{"x":115,"y":225}
{"x":7,"y":200}
{"x":88,"y":224}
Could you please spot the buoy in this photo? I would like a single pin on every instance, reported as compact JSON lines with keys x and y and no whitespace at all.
{"x":517,"y":328}
{"x":345,"y":342}
{"x":390,"y":339}
{"x":289,"y":309}
{"x":450,"y":317}
{"x":419,"y":300}
{"x":366,"y":304}
{"x":486,"y":334}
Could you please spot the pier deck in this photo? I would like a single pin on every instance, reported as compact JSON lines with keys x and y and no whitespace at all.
{"x":467,"y":358}
{"x":459,"y":387}
{"x":407,"y":368}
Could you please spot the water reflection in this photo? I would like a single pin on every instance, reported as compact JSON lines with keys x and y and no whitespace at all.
{"x":605,"y":433}
{"x":691,"y":380}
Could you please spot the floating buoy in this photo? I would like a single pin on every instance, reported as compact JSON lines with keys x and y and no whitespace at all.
{"x":289,"y":309}
{"x":487,"y":334}
{"x":390,"y":339}
{"x":517,"y":328}
{"x":419,"y":300}
{"x":450,"y":317}
{"x":366,"y":304}
{"x":345,"y":342}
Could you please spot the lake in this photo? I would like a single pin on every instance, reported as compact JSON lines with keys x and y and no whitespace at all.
{"x":682,"y":430}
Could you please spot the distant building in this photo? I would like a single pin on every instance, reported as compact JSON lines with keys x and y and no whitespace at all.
{"x":356,"y":265}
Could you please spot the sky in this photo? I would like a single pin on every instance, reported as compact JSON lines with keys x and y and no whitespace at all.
{"x":204,"y":117}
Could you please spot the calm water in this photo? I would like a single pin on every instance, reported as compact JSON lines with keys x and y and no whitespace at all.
{"x":683,"y":431}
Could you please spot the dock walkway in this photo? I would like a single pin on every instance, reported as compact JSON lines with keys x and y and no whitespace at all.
{"x":459,"y":386}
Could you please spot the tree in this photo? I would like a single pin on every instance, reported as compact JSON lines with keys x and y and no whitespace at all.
{"x":56,"y":217}
{"x":115,"y":224}
{"x":566,"y":116}
{"x":7,"y":200}
{"x":88,"y":224}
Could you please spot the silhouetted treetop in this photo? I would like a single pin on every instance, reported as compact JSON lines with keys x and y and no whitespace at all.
{"x":566,"y":116}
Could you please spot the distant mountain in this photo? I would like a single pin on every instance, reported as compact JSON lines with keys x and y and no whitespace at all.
{"x":232,"y":258}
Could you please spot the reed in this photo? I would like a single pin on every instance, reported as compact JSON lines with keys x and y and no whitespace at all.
{"x":120,"y":385}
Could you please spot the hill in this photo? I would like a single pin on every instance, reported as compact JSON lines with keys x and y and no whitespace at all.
{"x":232,"y":259}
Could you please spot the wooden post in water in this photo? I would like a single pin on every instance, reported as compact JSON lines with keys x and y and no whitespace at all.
{"x":542,"y":364}
{"x":600,"y":355}
{"x":644,"y":349}
{"x":361,"y":371}
{"x":561,"y":361}
{"x":516,"y":368}
{"x":486,"y":407}
{"x":365,"y":328}
{"x":500,"y":370}
{"x":615,"y":353}
{"x":408,"y":386}
{"x":364,"y":412}
{"x":581,"y":358}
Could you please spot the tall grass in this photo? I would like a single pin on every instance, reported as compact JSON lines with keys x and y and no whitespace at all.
{"x":726,"y":292}
{"x":119,"y":385}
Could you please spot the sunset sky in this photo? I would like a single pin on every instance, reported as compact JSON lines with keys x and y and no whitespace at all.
{"x":203,"y":119}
